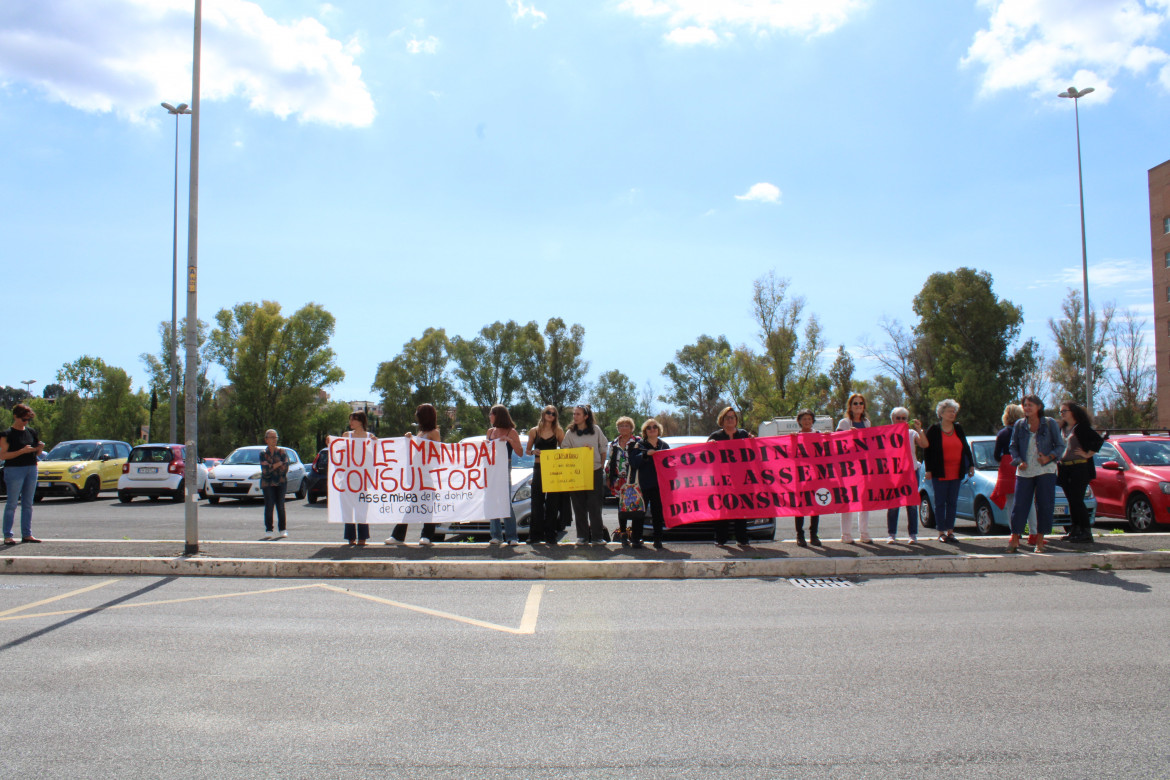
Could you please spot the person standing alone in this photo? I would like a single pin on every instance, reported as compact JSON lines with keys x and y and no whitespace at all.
{"x":19,"y":448}
{"x":274,"y":482}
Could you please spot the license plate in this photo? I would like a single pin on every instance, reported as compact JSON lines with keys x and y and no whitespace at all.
{"x":148,"y":469}
{"x":44,"y":484}
{"x":1060,"y":511}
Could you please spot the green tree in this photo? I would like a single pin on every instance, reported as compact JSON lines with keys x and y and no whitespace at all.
{"x":841,"y":377}
{"x":115,"y":411}
{"x":488,"y":367}
{"x":82,"y":376}
{"x":614,"y":396}
{"x":552,"y":367}
{"x":277,"y":366}
{"x":695,"y":385}
{"x":963,"y":341}
{"x":52,"y":391}
{"x":11,"y":396}
{"x":783,"y":378}
{"x":417,"y":375}
{"x":883,"y":395}
{"x":328,"y":418}
{"x":158,"y":371}
{"x":1067,"y":368}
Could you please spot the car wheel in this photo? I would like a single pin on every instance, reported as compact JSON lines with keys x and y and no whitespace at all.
{"x":1139,"y":513}
{"x":180,"y":491}
{"x":925,"y":513}
{"x":984,"y":518}
{"x":125,"y":497}
{"x":90,"y":491}
{"x":312,"y":498}
{"x":302,"y":491}
{"x":213,"y":499}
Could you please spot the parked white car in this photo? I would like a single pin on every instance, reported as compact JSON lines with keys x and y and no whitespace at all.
{"x":156,"y":471}
{"x":239,"y":475}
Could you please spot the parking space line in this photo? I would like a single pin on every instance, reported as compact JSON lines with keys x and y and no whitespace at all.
{"x":95,"y":586}
{"x":527,"y":621}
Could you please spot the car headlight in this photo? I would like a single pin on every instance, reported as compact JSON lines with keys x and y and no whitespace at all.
{"x":255,"y":476}
{"x":77,"y":468}
{"x":1165,"y":486}
{"x":523,"y":494}
{"x":211,"y":473}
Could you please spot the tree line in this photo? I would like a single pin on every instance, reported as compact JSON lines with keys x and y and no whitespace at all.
{"x":965,"y":344}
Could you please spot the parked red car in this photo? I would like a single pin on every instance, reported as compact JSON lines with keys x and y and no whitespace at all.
{"x":1133,"y":480}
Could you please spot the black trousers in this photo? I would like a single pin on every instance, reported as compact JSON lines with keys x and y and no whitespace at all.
{"x":587,"y":509}
{"x":357,"y":531}
{"x":814,"y":523}
{"x":399,"y":531}
{"x":654,"y":508}
{"x":545,"y":523}
{"x":1074,"y":480}
{"x":274,"y":497}
{"x":722,"y":526}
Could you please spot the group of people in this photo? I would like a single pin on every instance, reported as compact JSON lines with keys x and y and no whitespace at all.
{"x":1034,"y":454}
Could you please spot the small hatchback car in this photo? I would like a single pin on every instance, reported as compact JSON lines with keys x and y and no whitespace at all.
{"x":239,"y":475}
{"x":81,"y":469}
{"x":155,"y":471}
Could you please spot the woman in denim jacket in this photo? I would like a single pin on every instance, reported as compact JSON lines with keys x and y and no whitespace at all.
{"x":1035,"y":447}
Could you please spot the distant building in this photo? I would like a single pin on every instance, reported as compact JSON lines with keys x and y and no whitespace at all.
{"x":1160,"y":247}
{"x":371,"y":408}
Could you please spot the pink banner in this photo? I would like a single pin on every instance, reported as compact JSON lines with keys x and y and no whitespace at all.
{"x":785,"y":476}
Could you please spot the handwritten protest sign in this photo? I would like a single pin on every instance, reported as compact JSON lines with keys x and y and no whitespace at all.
{"x":781,"y":476}
{"x":416,"y":481}
{"x":565,"y":470}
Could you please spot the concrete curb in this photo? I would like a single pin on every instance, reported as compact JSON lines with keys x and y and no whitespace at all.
{"x":582,"y":570}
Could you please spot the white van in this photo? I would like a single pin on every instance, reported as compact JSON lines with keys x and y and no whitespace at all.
{"x":778,"y":426}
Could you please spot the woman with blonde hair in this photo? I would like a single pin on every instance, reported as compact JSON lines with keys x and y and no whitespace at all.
{"x":1004,"y":494}
{"x":855,"y":417}
{"x":545,"y":522}
{"x":617,"y":469}
{"x":729,"y":429}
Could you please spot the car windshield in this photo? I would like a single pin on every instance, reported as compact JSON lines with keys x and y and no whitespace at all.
{"x":243,"y":458}
{"x":1147,"y":453}
{"x":152,"y":455}
{"x":983,"y":450}
{"x":74,"y":450}
{"x":523,"y":461}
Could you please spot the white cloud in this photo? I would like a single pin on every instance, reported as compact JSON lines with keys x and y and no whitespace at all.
{"x":520,"y":12}
{"x":1103,"y":274}
{"x":762,"y":192}
{"x":804,"y":17}
{"x":126,"y":56}
{"x":1048,"y":45}
{"x":692,"y":36}
{"x":428,"y":45}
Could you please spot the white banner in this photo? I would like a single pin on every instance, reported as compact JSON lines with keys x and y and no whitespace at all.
{"x":415,"y":480}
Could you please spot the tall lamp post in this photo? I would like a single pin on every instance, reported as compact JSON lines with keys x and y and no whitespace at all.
{"x":176,"y":110}
{"x":1076,"y":95}
{"x":28,"y":383}
{"x":190,"y":377}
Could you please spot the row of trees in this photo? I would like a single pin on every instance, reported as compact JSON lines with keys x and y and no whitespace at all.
{"x":964,"y":345}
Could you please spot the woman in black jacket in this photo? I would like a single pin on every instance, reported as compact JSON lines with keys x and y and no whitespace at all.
{"x":1075,"y":469}
{"x":946,"y":459}
{"x":642,"y":470}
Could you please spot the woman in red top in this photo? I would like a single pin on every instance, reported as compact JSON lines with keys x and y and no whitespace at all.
{"x":946,"y":458}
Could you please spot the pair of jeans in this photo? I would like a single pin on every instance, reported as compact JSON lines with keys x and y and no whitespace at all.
{"x":356,"y":532}
{"x":946,"y":501}
{"x":22,"y":486}
{"x":1042,"y":490}
{"x":274,"y":497}
{"x":911,"y":520}
{"x":587,"y":509}
{"x":508,"y":529}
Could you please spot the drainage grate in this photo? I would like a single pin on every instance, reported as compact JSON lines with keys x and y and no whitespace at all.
{"x":820,"y":582}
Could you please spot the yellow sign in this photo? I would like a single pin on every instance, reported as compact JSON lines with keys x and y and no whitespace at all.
{"x":565,"y":470}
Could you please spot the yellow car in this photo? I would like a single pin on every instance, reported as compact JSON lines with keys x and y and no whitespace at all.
{"x":81,"y":469}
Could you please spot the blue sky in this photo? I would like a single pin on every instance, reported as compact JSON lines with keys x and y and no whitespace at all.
{"x":628,"y":165}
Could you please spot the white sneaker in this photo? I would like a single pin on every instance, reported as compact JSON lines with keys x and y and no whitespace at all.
{"x":581,"y":540}
{"x":600,"y":542}
{"x":392,"y":540}
{"x":891,"y":540}
{"x":513,"y":543}
{"x":913,"y":539}
{"x":494,"y":542}
{"x":846,"y":539}
{"x":283,"y":535}
{"x":424,"y":542}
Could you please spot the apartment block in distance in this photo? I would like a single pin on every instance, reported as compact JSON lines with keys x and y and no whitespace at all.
{"x":1160,"y":246}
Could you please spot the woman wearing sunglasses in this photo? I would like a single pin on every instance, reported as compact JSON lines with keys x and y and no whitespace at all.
{"x":545,"y":523}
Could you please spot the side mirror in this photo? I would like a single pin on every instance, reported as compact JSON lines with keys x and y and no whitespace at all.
{"x":1111,"y":465}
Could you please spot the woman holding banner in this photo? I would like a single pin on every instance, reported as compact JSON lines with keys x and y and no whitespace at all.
{"x":805,"y":419}
{"x":503,"y":428}
{"x":587,"y":503}
{"x":357,"y":533}
{"x":642,"y":469}
{"x":947,"y":458}
{"x":855,"y":417}
{"x":428,"y":428}
{"x":729,"y":429}
{"x":545,"y":523}
{"x":902,"y":415}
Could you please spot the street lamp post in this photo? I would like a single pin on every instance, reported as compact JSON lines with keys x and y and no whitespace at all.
{"x":28,"y":383}
{"x":176,"y":110}
{"x":1076,"y":95}
{"x":190,"y":377}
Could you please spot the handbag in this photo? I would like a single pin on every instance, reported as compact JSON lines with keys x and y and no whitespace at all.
{"x":630,"y":498}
